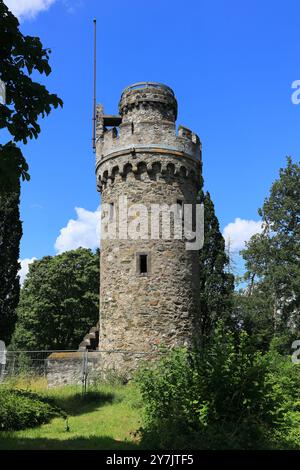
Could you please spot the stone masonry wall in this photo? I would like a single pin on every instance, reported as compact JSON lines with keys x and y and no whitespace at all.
{"x":149,"y":164}
{"x":67,"y":368}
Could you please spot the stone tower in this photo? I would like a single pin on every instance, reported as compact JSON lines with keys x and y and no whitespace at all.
{"x":149,"y":287}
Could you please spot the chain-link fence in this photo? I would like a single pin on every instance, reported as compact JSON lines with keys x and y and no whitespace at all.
{"x":26,"y":365}
{"x":82,"y":368}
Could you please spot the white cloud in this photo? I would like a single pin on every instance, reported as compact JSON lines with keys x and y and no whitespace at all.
{"x":240,"y":231}
{"x":25,"y":268}
{"x":83,"y":232}
{"x":25,"y":9}
{"x":72,"y":5}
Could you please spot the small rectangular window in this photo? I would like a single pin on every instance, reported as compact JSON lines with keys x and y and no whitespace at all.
{"x":111,"y":211}
{"x":143,"y":264}
{"x":180,"y":207}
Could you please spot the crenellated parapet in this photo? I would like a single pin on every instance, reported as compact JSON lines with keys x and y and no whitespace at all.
{"x":147,"y":116}
{"x":151,"y":134}
{"x":144,"y":136}
{"x":148,"y":99}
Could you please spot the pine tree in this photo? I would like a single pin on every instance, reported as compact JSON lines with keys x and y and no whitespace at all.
{"x":10,"y":236}
{"x":216,"y":283}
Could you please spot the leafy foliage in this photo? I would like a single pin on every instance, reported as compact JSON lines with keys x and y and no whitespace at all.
{"x":26,"y":99}
{"x":216,"y":284}
{"x":21,"y":409}
{"x":273,"y":259}
{"x":224,"y":396}
{"x":10,"y":235}
{"x":59,"y":301}
{"x":254,"y":314}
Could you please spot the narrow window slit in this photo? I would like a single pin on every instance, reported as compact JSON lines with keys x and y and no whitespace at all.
{"x":143,"y":264}
{"x":180,"y":207}
{"x":111,"y":211}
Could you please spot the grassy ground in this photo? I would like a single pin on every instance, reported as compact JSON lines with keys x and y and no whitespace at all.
{"x":106,"y":418}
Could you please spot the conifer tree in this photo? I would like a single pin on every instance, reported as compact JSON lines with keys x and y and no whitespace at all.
{"x":216,"y":283}
{"x":10,"y":235}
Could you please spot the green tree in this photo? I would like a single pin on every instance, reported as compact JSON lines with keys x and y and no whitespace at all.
{"x":59,"y":301}
{"x":216,"y":283}
{"x":26,"y":100}
{"x":10,"y":235}
{"x":253,"y":312}
{"x":273,"y":257}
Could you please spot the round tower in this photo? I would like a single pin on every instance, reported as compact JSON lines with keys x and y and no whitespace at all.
{"x":149,"y":284}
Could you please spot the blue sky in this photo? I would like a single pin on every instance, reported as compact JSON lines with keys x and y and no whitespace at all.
{"x":231,"y":65}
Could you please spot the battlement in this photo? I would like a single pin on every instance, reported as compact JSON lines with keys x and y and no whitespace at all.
{"x":146,"y":85}
{"x":147,"y":134}
{"x":145,"y":100}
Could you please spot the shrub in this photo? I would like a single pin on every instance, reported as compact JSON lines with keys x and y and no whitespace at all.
{"x":224,"y":396}
{"x":21,"y":409}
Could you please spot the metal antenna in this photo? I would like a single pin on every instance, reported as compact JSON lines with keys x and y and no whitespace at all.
{"x":94,"y":93}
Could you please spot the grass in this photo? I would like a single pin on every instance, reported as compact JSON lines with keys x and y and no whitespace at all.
{"x":107,"y":417}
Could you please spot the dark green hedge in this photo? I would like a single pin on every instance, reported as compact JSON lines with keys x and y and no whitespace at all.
{"x":21,"y":409}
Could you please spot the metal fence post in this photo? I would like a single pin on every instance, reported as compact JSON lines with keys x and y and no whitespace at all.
{"x":84,"y":371}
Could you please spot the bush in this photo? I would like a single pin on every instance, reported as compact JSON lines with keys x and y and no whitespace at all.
{"x":225,"y":396}
{"x":21,"y":409}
